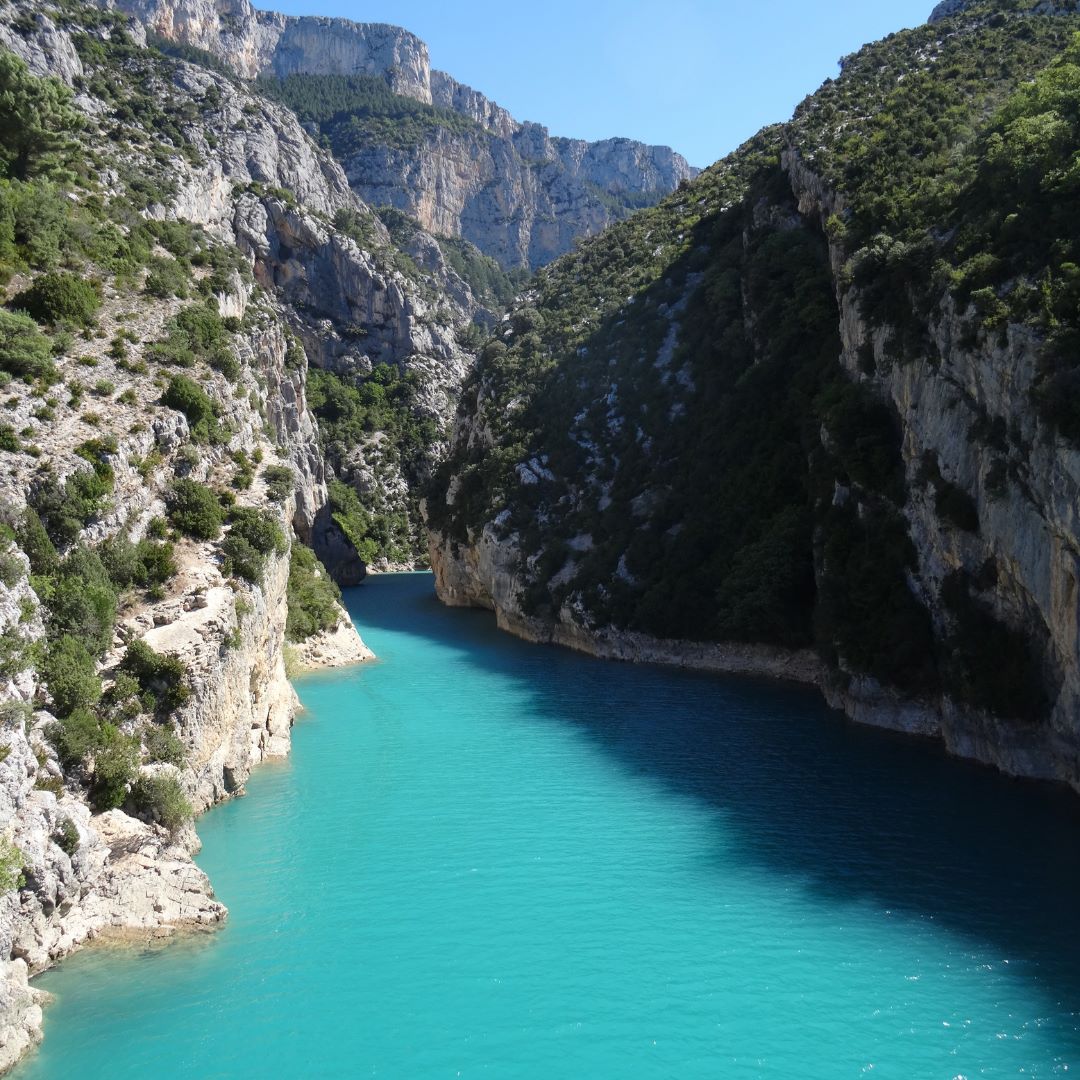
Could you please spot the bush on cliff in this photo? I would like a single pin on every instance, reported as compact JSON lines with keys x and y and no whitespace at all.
{"x":161,"y":798}
{"x":253,"y":536}
{"x":71,"y":675}
{"x":163,"y":678}
{"x":193,"y":510}
{"x":313,"y":596}
{"x":24,"y":350}
{"x":60,"y":297}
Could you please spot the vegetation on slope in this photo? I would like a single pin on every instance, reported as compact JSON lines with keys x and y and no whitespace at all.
{"x":353,"y":112}
{"x":674,"y":444}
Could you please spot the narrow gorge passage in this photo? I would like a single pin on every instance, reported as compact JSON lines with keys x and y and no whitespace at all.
{"x":488,"y":858}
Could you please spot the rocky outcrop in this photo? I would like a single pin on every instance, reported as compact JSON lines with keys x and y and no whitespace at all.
{"x":517,"y":193}
{"x":256,"y":42}
{"x":335,"y":648}
{"x":1025,"y":485}
{"x":948,"y":8}
{"x":523,"y":197}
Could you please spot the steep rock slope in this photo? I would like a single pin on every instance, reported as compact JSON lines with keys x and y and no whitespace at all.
{"x":822,"y":399}
{"x":365,"y":310}
{"x":462,"y":166}
{"x":165,"y":239}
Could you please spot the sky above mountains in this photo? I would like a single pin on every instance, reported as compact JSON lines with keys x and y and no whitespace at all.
{"x":698,"y":75}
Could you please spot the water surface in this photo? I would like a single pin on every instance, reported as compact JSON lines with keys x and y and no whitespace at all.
{"x":487,"y":858}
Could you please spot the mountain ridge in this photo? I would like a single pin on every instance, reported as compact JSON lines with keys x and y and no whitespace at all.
{"x":516,"y":192}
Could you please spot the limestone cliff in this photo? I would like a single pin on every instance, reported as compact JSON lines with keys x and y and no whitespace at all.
{"x":190,"y":366}
{"x":660,"y":456}
{"x":510,"y":188}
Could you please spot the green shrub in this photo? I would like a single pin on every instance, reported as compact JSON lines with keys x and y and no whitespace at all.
{"x":124,"y":699}
{"x":253,"y":535}
{"x":11,"y":866}
{"x":161,"y":798}
{"x":280,"y":482}
{"x":193,"y":510}
{"x":15,"y":655}
{"x":70,"y":675}
{"x":116,"y":761}
{"x":167,"y":277}
{"x":162,"y":745}
{"x":24,"y":350}
{"x":143,"y":564}
{"x":313,"y":596}
{"x":83,"y":601}
{"x":60,"y":297}
{"x":11,"y":568}
{"x":163,"y":677}
{"x":65,"y":509}
{"x":37,"y":120}
{"x":186,"y":396}
{"x":36,"y":545}
{"x":66,"y":836}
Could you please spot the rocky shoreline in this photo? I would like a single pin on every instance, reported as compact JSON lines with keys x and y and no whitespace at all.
{"x":484,"y":575}
{"x":127,"y":880}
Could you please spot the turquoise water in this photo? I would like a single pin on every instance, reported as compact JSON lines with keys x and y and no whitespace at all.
{"x":492,"y":859}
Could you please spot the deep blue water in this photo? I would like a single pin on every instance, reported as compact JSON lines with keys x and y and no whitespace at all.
{"x":487,"y":858}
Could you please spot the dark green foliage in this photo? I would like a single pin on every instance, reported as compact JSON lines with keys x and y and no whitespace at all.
{"x":864,"y":435}
{"x":193,"y":510}
{"x":12,"y":862}
{"x":370,"y":534}
{"x":83,"y":601}
{"x":161,"y":798}
{"x":357,"y":111}
{"x":988,"y":664}
{"x":15,"y":656}
{"x":186,"y":396}
{"x":163,"y":677}
{"x":162,"y":745}
{"x":70,"y":674}
{"x":123,"y":700}
{"x":60,"y":297}
{"x":143,"y":564}
{"x":490,"y":283}
{"x":253,"y":536}
{"x":66,"y":836}
{"x":350,"y":414}
{"x":37,"y":120}
{"x":168,"y":277}
{"x":866,"y":613}
{"x":24,"y":350}
{"x":280,"y":482}
{"x":35,"y":542}
{"x":312,"y":595}
{"x":190,"y":54}
{"x":197,"y":334}
{"x":65,"y":509}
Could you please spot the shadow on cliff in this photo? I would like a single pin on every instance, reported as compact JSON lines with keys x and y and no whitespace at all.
{"x":850,"y":813}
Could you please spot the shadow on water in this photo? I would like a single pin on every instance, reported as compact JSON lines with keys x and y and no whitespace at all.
{"x":849,"y":812}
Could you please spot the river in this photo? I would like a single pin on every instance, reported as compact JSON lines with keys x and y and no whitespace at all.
{"x":493,"y":859}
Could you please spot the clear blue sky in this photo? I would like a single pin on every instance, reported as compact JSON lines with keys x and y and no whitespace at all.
{"x":698,"y":75}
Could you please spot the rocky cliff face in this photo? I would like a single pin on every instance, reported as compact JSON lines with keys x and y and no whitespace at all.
{"x":518,"y":194}
{"x":661,"y":446}
{"x":241,"y":211}
{"x":523,"y":198}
